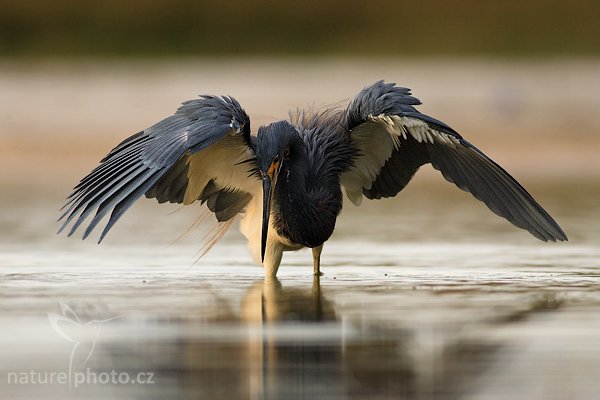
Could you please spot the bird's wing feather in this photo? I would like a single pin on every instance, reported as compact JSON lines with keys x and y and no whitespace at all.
{"x":394,"y":140}
{"x":202,"y":152}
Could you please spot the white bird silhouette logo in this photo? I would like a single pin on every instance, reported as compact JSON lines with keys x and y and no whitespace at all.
{"x":69,"y":326}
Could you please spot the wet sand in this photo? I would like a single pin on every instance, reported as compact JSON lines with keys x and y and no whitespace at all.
{"x":426,"y":296}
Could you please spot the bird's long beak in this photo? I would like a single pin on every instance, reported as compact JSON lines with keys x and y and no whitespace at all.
{"x":268,"y":186}
{"x":266,"y":215}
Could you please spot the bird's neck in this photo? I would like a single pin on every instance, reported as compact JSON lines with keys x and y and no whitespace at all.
{"x":305,"y":214}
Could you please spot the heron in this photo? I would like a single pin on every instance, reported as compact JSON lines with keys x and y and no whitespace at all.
{"x":285,"y":183}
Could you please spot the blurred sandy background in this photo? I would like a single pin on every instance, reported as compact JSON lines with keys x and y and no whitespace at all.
{"x":58,"y":118}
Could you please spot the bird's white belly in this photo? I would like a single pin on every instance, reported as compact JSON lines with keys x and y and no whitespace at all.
{"x":251,"y":228}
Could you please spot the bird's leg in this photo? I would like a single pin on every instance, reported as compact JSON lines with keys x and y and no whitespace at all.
{"x":272,"y":259}
{"x":316,"y":252}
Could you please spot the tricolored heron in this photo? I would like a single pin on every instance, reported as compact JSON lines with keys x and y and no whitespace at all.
{"x":286,"y":182}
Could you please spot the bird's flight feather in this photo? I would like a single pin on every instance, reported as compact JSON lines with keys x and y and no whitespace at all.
{"x":395,"y":140}
{"x":173,"y":160}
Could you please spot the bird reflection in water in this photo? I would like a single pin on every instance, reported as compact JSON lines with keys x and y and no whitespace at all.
{"x":298,"y":347}
{"x":302,"y":350}
{"x":296,"y":351}
{"x":285,"y":343}
{"x":295,"y":342}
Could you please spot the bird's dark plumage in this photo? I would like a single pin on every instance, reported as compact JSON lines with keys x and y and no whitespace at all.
{"x":308,"y":197}
{"x":373,"y":148}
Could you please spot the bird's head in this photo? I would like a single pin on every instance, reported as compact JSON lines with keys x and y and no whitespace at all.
{"x":275,"y":144}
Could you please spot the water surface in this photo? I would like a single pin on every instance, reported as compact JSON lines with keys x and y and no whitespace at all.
{"x":420,"y":300}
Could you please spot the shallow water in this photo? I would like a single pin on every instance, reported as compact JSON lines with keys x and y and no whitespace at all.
{"x":428,"y":296}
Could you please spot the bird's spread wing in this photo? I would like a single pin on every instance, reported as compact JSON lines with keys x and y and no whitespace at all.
{"x":202,"y":152}
{"x":394,"y":140}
